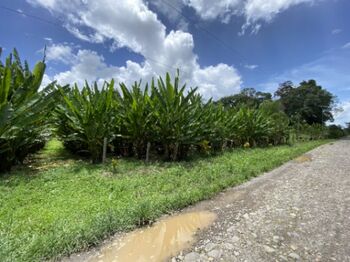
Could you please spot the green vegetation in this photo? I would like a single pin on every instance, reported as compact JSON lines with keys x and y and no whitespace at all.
{"x":86,"y":117}
{"x":57,"y":205}
{"x":308,"y":102}
{"x":24,"y":110}
{"x":163,"y":120}
{"x":167,"y":122}
{"x":54,"y":203}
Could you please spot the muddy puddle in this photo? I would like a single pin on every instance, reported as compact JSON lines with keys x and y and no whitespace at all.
{"x":159,"y":242}
{"x":304,"y":158}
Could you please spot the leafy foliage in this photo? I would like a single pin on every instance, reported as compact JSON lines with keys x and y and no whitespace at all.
{"x":252,"y":126}
{"x":168,"y":120}
{"x":177,"y":116}
{"x":335,"y":132}
{"x":247,"y":97}
{"x":24,"y":110}
{"x":309,"y":101}
{"x":87,"y":116}
{"x":161,"y":118}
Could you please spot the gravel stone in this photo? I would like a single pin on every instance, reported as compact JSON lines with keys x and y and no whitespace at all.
{"x":294,"y":256}
{"x":192,"y":257}
{"x":215,"y":253}
{"x":269,"y":249}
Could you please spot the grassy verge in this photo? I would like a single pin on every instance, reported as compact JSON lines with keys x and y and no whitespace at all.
{"x":48,"y":211}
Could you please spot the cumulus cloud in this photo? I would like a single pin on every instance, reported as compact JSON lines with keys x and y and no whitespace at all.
{"x":212,"y":81}
{"x":90,"y":66}
{"x":131,"y":24}
{"x":46,"y":81}
{"x":254,"y":11}
{"x":217,"y":81}
{"x":223,"y":9}
{"x":60,"y":52}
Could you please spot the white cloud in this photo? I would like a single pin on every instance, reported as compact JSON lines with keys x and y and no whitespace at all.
{"x":223,"y":9}
{"x":213,"y":81}
{"x":251,"y":67}
{"x":82,"y":11}
{"x":60,"y":52}
{"x":46,"y":81}
{"x":346,"y":46}
{"x":131,"y":24}
{"x":217,"y":81}
{"x":336,"y":31}
{"x":48,"y":39}
{"x":91,"y":67}
{"x":254,"y":11}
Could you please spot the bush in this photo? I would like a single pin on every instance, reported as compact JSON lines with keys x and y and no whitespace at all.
{"x":335,"y":132}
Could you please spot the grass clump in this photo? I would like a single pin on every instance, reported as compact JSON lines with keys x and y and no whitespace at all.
{"x":53,"y":211}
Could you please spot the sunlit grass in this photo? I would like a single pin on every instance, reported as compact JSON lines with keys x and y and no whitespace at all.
{"x":63,"y":205}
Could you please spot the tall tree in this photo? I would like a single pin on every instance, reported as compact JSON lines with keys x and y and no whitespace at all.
{"x":308,"y":102}
{"x":248,"y":97}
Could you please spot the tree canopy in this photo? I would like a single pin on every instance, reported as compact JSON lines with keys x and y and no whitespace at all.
{"x":248,"y":97}
{"x":308,"y":102}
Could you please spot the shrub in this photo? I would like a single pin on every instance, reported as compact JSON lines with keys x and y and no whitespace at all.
{"x":335,"y":132}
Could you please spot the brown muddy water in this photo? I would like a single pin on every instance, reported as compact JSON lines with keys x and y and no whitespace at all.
{"x":159,"y":242}
{"x":303,"y":158}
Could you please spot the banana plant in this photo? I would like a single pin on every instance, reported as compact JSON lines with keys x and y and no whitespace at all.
{"x":24,"y":110}
{"x":87,"y":116}
{"x":177,"y":115}
{"x":278,"y":121}
{"x":218,"y":123}
{"x":136,"y":117}
{"x":251,"y":126}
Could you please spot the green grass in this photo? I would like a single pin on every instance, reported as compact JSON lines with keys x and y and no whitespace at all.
{"x":60,"y":206}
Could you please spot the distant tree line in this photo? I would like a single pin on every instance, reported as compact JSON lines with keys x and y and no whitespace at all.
{"x":308,"y":106}
{"x":307,"y":102}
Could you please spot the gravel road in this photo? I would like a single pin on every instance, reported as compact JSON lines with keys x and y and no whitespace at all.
{"x":297,"y":212}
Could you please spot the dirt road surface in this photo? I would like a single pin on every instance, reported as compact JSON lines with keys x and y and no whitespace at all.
{"x":297,"y":212}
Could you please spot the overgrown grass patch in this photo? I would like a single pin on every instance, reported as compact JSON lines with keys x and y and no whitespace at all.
{"x":50,"y":212}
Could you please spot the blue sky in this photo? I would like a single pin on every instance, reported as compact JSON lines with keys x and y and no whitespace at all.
{"x":220,"y":46}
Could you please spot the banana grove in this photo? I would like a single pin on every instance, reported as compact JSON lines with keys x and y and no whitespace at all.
{"x":161,"y":119}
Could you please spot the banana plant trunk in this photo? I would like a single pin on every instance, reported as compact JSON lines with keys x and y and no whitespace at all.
{"x":147,"y":151}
